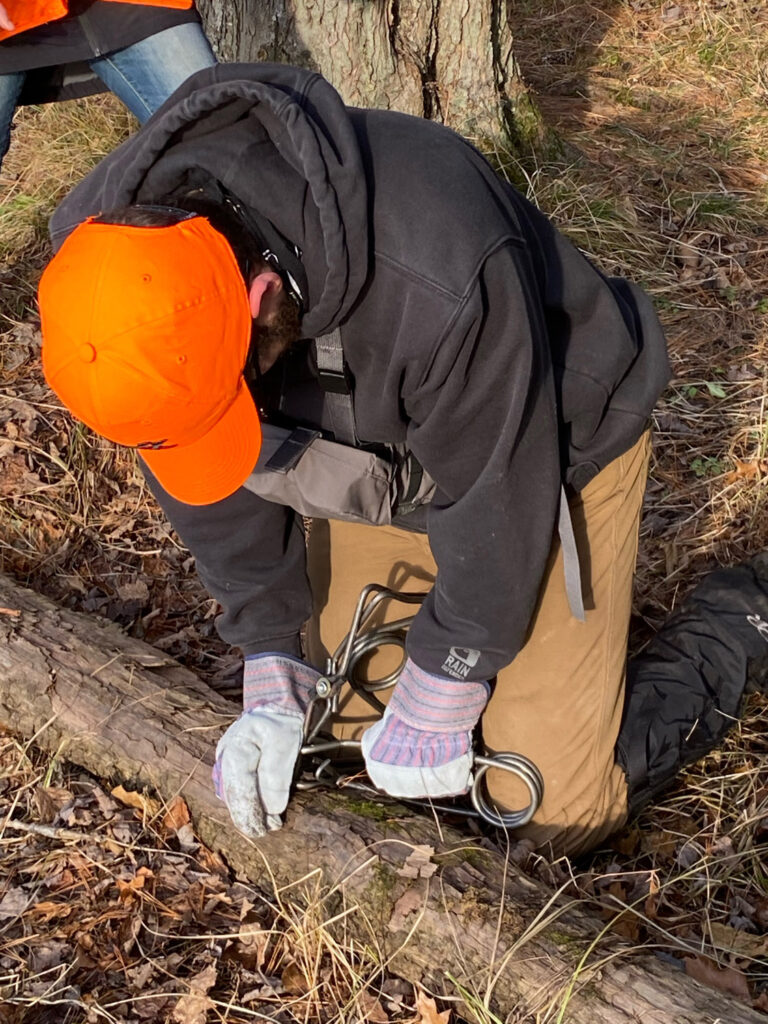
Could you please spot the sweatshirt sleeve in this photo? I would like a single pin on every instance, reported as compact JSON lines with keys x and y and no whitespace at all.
{"x":250,"y":554}
{"x":483,"y":424}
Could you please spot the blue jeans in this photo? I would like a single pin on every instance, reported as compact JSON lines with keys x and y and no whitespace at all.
{"x":10,"y":88}
{"x":143,"y":75}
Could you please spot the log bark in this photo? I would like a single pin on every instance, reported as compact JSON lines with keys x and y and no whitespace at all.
{"x":450,"y":61}
{"x":125,"y":711}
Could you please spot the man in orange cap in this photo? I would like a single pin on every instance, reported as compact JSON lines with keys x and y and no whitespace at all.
{"x":293,"y":308}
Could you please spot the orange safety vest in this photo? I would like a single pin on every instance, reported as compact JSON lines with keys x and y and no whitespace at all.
{"x":26,"y":14}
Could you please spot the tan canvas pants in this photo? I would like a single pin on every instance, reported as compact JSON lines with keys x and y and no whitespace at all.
{"x":560,"y":701}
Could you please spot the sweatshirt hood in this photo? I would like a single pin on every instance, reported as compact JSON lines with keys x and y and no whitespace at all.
{"x":281,"y":140}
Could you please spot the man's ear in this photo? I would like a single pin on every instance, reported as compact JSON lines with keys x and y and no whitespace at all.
{"x":264,"y":295}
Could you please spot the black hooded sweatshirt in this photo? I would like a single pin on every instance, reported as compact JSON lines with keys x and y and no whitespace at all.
{"x":473,"y":331}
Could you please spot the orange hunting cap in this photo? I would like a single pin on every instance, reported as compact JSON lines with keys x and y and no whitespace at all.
{"x":145,"y":337}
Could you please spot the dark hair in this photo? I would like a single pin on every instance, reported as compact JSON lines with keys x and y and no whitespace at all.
{"x":149,"y":216}
{"x":162,"y":215}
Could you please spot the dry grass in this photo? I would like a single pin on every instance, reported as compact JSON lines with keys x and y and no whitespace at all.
{"x":53,"y":147}
{"x":663,"y":114}
{"x":111,"y":910}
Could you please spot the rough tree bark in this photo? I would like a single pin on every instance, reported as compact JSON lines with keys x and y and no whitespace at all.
{"x":450,"y":60}
{"x":125,"y":711}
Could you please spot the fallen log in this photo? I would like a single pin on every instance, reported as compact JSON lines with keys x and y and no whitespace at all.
{"x":125,"y":711}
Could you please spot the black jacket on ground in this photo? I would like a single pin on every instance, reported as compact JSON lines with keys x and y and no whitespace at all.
{"x":473,"y":331}
{"x":93,"y":29}
{"x":685,"y":690}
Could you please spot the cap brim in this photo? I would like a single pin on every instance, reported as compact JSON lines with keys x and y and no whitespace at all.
{"x":218,"y":463}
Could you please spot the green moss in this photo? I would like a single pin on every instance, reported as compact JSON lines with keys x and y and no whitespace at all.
{"x":471,"y":855}
{"x":474,"y":905}
{"x":373,"y":810}
{"x":380,"y":893}
{"x":569,"y":945}
{"x":527,"y":125}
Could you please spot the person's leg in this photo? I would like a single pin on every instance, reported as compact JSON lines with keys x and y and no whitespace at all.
{"x":10,"y":90}
{"x":560,"y":702}
{"x":145,"y":74}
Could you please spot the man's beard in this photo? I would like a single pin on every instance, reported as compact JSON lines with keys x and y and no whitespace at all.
{"x":269,"y":343}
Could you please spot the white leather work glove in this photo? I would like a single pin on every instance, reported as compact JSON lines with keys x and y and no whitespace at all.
{"x":422,"y":747}
{"x":256,"y":756}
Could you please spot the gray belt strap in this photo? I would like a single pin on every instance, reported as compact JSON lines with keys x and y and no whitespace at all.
{"x":571,"y":565}
{"x":335,"y":384}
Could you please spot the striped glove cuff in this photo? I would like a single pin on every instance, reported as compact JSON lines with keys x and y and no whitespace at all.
{"x":435,"y":704}
{"x":278,"y":681}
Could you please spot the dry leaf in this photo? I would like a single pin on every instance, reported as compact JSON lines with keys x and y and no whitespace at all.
{"x":688,"y":254}
{"x":139,"y":976}
{"x":419,"y":863}
{"x":246,"y":907}
{"x":251,"y":946}
{"x":747,"y":471}
{"x":726,"y":979}
{"x":626,"y":842}
{"x":427,"y":1010}
{"x":16,"y":478}
{"x":618,"y":889}
{"x":193,"y":1009}
{"x":651,"y":905}
{"x":293,"y":980}
{"x":254,"y":995}
{"x":106,"y":806}
{"x":45,"y":955}
{"x":146,"y":804}
{"x":127,"y":889}
{"x":186,"y":838}
{"x":211,"y":862}
{"x":736,"y":941}
{"x":370,"y":1009}
{"x":50,"y":800}
{"x":75,"y":816}
{"x":23,"y":413}
{"x":63,"y":879}
{"x":48,"y":910}
{"x":177,"y":814}
{"x":628,"y":926}
{"x":411,"y":900}
{"x":136,"y":591}
{"x":13,"y":903}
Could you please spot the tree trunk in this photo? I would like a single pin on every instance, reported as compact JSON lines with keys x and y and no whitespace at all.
{"x":125,"y":711}
{"x":449,"y":60}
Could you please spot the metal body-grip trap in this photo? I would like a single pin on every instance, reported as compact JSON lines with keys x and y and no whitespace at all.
{"x":337,"y":763}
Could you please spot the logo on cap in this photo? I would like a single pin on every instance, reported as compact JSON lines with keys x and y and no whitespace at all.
{"x":154,"y":446}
